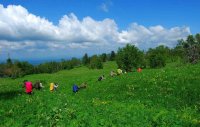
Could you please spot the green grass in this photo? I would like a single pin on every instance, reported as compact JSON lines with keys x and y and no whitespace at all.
{"x":156,"y":97}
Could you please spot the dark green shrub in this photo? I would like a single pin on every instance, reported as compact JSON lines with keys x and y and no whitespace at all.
{"x":112,"y":56}
{"x":158,"y":56}
{"x":189,"y":49}
{"x":96,"y":63}
{"x":156,"y":61}
{"x":129,"y":57}
{"x":103,"y":57}
{"x":85,"y":59}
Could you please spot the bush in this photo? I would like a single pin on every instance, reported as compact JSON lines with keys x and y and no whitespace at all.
{"x":129,"y":57}
{"x":85,"y":59}
{"x":112,"y":56}
{"x":156,"y":61}
{"x":96,"y":62}
{"x":103,"y":57}
{"x":190,"y":49}
{"x":158,"y":56}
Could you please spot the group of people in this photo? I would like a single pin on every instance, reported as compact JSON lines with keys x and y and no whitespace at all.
{"x":29,"y":86}
{"x":115,"y":73}
{"x":75,"y":88}
{"x":118,"y":72}
{"x":112,"y":74}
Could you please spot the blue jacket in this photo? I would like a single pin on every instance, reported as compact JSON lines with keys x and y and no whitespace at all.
{"x":75,"y":88}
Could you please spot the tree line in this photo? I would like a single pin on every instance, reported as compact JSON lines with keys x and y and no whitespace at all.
{"x":127,"y":58}
{"x":186,"y":51}
{"x":15,"y":68}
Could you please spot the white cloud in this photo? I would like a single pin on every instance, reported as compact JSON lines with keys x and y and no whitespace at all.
{"x":16,"y":23}
{"x":153,"y":36}
{"x":21,"y":30}
{"x":87,"y":30}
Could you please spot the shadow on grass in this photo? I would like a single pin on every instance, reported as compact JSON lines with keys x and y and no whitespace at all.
{"x":10,"y":94}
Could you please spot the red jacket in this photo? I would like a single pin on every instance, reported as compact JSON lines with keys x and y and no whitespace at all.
{"x":29,"y":87}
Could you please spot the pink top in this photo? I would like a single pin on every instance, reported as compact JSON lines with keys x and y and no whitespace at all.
{"x":28,"y":86}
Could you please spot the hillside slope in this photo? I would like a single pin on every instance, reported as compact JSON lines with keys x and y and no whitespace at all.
{"x":154,"y":97}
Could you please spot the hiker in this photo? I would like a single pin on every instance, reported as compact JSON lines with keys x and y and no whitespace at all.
{"x":82,"y":86}
{"x":75,"y":88}
{"x":101,"y":78}
{"x":38,"y":85}
{"x":119,"y":71}
{"x":139,"y":70}
{"x":28,"y":85}
{"x":53,"y":86}
{"x":112,"y":74}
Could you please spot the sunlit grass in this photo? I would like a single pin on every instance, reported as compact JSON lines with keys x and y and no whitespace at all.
{"x":155,"y":97}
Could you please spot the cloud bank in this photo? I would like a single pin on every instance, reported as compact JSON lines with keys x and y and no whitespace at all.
{"x":21,"y":30}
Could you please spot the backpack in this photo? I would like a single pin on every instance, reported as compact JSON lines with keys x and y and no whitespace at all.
{"x":37,"y":85}
{"x":100,"y":78}
{"x":51,"y":86}
{"x":75,"y":88}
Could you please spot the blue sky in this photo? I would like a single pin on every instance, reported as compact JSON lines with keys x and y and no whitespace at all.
{"x":168,"y":13}
{"x":45,"y":29}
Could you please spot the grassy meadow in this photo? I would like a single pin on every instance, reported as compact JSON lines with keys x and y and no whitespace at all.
{"x":167,"y":97}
